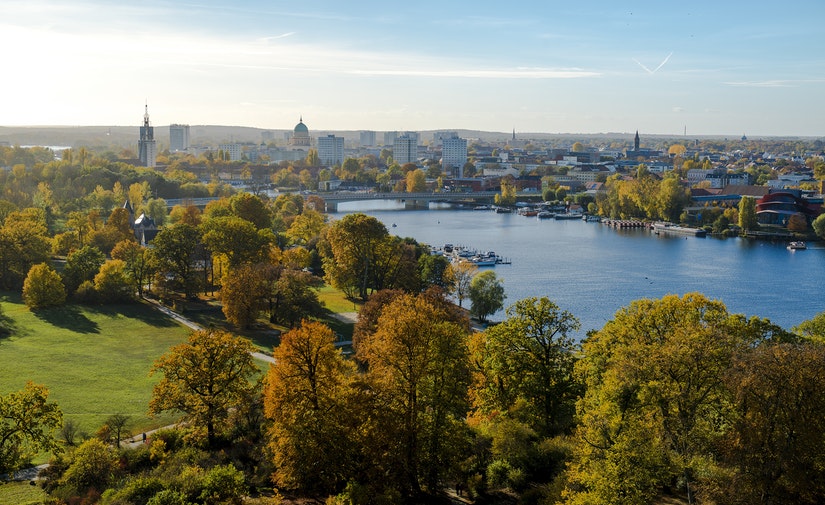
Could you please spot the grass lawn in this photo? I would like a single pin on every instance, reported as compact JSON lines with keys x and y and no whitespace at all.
{"x":21,"y":493}
{"x":94,"y":360}
{"x":335,"y":301}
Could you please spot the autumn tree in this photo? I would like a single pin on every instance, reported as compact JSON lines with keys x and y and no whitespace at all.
{"x":137,"y":264}
{"x":292,"y":297}
{"x":418,"y":365}
{"x":204,"y":378}
{"x":306,"y":226}
{"x":24,"y":242}
{"x":486,"y":295}
{"x":244,"y":290}
{"x":305,"y":397}
{"x":524,"y":366}
{"x":775,"y":446}
{"x":112,"y":282}
{"x":43,"y":287}
{"x":251,"y":208}
{"x":27,"y":422}
{"x":416,"y":181}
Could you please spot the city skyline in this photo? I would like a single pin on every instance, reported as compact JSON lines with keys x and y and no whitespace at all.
{"x":704,"y":68}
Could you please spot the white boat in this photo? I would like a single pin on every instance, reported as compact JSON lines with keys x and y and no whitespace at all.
{"x":545,"y":214}
{"x":797,"y":245}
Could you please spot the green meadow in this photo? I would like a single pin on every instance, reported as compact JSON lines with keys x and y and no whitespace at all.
{"x":95,"y":360}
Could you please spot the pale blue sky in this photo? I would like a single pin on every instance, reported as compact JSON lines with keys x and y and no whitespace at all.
{"x":714,"y":68}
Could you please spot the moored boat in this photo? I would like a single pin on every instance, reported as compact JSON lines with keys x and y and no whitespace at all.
{"x":797,"y":245}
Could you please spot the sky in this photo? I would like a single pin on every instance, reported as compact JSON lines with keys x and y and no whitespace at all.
{"x":696,"y":67}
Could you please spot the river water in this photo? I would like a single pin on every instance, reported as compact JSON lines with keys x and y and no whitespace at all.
{"x":593,"y":270}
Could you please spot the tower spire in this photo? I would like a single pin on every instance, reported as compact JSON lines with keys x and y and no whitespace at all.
{"x":636,"y":141}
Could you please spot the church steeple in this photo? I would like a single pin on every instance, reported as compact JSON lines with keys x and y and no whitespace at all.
{"x":146,"y":116}
{"x":636,"y":142}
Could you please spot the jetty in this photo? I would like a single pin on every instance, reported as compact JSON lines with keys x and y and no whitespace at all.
{"x":624,"y":223}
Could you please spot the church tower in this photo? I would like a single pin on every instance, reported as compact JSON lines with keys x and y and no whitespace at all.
{"x":147,"y":149}
{"x":636,"y":142}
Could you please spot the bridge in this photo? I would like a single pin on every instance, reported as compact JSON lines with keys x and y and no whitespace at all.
{"x":411,"y":200}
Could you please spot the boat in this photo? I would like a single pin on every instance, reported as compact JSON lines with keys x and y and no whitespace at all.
{"x":797,"y":245}
{"x":672,"y":229}
{"x":503,"y":210}
{"x":545,"y":214}
{"x":568,"y":216}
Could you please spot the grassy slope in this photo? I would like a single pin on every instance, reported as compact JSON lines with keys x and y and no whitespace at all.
{"x":21,"y":493}
{"x":94,"y":360}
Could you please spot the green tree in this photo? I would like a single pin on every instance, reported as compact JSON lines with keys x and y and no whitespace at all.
{"x":525,"y":366}
{"x":82,"y":265}
{"x":174,"y":253}
{"x":306,"y":226}
{"x":24,"y":242}
{"x":747,"y":213}
{"x":354,"y":244}
{"x":819,"y":226}
{"x":306,"y":399}
{"x":435,"y":271}
{"x":93,"y":466}
{"x":312,"y":159}
{"x":27,"y":421}
{"x":293,"y":297}
{"x":486,"y":295}
{"x":204,"y":378}
{"x":656,"y":404}
{"x":251,"y":208}
{"x":43,"y":287}
{"x":236,"y":239}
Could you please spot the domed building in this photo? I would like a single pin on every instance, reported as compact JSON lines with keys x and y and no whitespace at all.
{"x":300,"y":135}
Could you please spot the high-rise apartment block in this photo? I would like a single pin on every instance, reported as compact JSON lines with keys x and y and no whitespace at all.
{"x":367,"y":138}
{"x":331,"y":150}
{"x":405,"y":148}
{"x":178,"y":137}
{"x":453,"y":155}
{"x":231,"y":152}
{"x":147,"y":148}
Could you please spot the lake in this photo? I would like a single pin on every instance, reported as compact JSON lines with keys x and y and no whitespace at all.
{"x":593,"y":270}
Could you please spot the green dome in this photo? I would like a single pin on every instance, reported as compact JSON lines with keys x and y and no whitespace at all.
{"x":301,"y":127}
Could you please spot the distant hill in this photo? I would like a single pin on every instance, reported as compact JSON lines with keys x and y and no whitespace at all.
{"x":115,"y":138}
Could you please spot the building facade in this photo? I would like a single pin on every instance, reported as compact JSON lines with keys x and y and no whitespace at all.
{"x":331,"y":150}
{"x":453,"y":155}
{"x":367,"y":138}
{"x":405,"y":149}
{"x":178,"y":137}
{"x":231,"y":152}
{"x":147,"y":148}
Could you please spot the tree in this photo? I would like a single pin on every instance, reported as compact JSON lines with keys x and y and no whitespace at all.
{"x":24,"y":242}
{"x":43,"y":287}
{"x":204,"y":378}
{"x":251,"y":208}
{"x":354,"y":243}
{"x":747,"y":213}
{"x":237,"y":239}
{"x":312,"y":159}
{"x":27,"y":420}
{"x":174,"y":253}
{"x":435,"y":271}
{"x":775,"y":443}
{"x":138,"y":265}
{"x":82,"y":265}
{"x":117,"y":426}
{"x":819,"y":226}
{"x":244,"y":290}
{"x":507,"y":195}
{"x":418,"y":364}
{"x":306,"y":399}
{"x":486,"y":295}
{"x":463,"y":273}
{"x":112,"y":282}
{"x":92,"y":466}
{"x":293,"y":298}
{"x":525,"y":366}
{"x":306,"y":226}
{"x":416,"y":181}
{"x":656,"y":403}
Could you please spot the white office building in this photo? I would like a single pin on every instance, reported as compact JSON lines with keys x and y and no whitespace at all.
{"x":367,"y":138}
{"x":331,"y":150}
{"x":178,"y":137}
{"x":453,"y":155}
{"x":405,"y":149}
{"x":231,"y":152}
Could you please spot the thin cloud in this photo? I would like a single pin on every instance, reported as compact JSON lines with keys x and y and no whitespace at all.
{"x":763,"y":84}
{"x":518,"y":73}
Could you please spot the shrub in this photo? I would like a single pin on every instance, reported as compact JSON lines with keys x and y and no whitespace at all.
{"x":222,"y":484}
{"x":43,"y":287}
